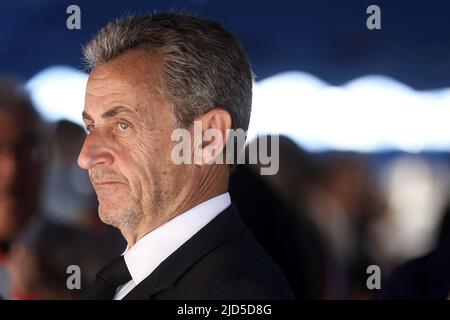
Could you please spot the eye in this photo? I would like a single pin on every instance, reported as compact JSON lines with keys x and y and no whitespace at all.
{"x":89,"y":128}
{"x":123,"y":126}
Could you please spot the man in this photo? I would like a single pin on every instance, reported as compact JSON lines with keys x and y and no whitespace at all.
{"x":21,"y":164}
{"x":151,"y":75}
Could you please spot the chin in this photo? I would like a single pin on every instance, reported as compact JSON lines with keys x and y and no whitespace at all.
{"x":118,"y":215}
{"x":107,"y":216}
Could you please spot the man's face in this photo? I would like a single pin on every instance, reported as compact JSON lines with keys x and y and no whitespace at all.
{"x":127,"y":150}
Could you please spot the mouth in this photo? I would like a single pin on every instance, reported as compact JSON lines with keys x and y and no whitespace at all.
{"x":106,"y":183}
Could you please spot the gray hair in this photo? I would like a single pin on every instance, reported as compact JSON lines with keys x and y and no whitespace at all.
{"x":204,"y":65}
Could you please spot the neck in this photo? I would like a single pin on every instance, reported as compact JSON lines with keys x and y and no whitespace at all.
{"x":195,"y":191}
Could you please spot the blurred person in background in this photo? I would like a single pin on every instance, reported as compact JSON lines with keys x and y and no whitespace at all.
{"x":322,"y":207}
{"x":425,"y":277}
{"x":272,"y":206}
{"x":40,"y":257}
{"x":21,"y":163}
{"x":343,"y":201}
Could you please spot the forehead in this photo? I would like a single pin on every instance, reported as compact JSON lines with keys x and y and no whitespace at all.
{"x":133,"y":77}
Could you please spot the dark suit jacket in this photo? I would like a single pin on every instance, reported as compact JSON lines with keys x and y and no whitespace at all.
{"x":221,"y":261}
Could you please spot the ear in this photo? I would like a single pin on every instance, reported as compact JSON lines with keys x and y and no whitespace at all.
{"x":215,"y":126}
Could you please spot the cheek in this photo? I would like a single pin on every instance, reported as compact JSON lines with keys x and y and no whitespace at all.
{"x":141,"y":167}
{"x":150,"y":156}
{"x":154,"y":149}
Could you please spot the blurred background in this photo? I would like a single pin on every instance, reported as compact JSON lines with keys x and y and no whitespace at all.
{"x":364,"y":144}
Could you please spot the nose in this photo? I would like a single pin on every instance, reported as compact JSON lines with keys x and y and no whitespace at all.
{"x":94,"y":152}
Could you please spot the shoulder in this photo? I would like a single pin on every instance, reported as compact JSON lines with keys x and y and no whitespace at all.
{"x":237,"y":269}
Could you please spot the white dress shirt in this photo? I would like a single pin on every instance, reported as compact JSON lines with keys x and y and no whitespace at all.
{"x":156,"y":246}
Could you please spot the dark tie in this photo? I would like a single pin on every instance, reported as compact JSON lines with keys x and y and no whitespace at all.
{"x":109,"y":279}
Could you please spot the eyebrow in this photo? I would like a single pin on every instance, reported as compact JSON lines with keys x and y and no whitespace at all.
{"x":108,"y":114}
{"x":86,"y":116}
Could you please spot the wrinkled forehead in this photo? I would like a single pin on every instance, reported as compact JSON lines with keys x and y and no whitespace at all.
{"x":136,"y":74}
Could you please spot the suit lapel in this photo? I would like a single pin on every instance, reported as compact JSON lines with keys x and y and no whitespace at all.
{"x":221,"y":229}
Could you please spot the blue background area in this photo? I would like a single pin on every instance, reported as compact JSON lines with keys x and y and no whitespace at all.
{"x":326,"y":38}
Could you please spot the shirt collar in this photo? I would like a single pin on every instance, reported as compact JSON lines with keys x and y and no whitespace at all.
{"x":153,"y":248}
